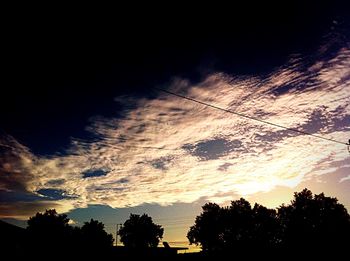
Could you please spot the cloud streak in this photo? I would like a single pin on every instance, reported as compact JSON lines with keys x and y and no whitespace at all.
{"x":166,"y":149}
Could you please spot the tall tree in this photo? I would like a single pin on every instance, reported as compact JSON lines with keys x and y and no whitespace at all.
{"x":49,"y":230}
{"x":266,"y":227}
{"x":140,"y":232}
{"x":314,"y":222}
{"x":94,"y":236}
{"x":208,"y":230}
{"x":237,"y":227}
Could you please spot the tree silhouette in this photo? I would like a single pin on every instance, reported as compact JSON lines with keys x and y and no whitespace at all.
{"x":48,"y":221}
{"x":314,"y":222}
{"x":235,"y":227}
{"x":94,"y":236}
{"x":265,"y":227}
{"x":140,"y":232}
{"x":238,"y":224}
{"x":247,"y":227}
{"x":49,"y":230}
{"x":209,"y":228}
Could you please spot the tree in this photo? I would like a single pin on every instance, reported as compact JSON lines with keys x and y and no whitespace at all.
{"x":235,"y":227}
{"x":47,"y":221}
{"x":140,"y":232}
{"x":94,"y":236}
{"x":265,"y":227}
{"x":49,"y":230}
{"x":314,"y":222}
{"x":209,"y":228}
{"x":238,"y":224}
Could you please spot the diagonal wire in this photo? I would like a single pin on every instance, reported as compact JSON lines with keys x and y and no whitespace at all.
{"x":249,"y":117}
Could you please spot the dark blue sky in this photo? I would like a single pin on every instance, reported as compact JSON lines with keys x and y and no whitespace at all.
{"x":59,"y":71}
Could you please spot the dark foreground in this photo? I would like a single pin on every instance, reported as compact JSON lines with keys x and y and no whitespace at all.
{"x":162,"y":254}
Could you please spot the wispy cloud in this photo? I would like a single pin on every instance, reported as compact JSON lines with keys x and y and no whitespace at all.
{"x":345,"y":179}
{"x":166,"y":149}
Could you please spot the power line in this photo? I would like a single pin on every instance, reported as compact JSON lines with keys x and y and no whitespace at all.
{"x":250,"y":117}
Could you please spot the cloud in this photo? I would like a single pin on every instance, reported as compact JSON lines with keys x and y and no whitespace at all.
{"x":22,"y":210}
{"x":345,"y":179}
{"x":15,"y":162}
{"x":72,"y":222}
{"x":165,"y":149}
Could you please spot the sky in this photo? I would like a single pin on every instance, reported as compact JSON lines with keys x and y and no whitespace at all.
{"x":87,"y":130}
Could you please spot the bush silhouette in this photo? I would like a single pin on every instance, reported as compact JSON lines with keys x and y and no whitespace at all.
{"x":140,"y":232}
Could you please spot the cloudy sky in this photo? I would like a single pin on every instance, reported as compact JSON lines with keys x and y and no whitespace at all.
{"x":103,"y":140}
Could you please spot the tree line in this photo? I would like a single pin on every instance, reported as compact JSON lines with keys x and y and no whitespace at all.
{"x":313,"y":224}
{"x":309,"y":223}
{"x":50,"y":232}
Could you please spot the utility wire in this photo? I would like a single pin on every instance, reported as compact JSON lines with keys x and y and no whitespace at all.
{"x":249,"y":117}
